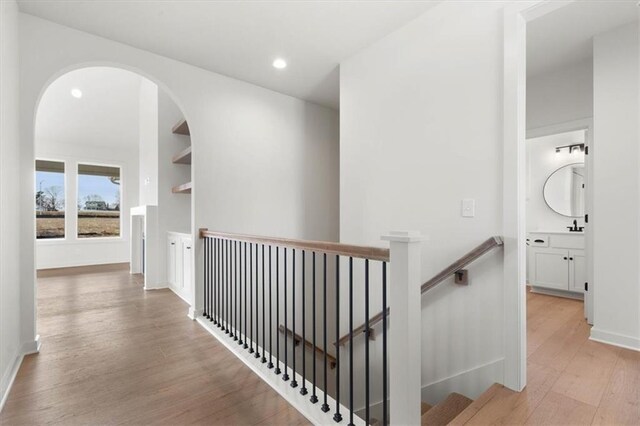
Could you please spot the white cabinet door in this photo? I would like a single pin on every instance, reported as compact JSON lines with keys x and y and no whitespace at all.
{"x":171,"y":260}
{"x":551,"y":268}
{"x":577,"y":270}
{"x":186,"y":263}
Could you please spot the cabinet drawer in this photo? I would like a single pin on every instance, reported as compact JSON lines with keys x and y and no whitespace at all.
{"x":538,"y":240}
{"x":567,"y":241}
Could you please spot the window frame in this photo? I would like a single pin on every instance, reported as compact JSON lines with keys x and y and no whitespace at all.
{"x":120,"y":237}
{"x":66,"y":201}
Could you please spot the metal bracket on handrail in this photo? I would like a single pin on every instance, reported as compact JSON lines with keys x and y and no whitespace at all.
{"x":457,"y":267}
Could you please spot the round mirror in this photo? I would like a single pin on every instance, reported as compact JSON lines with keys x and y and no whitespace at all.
{"x":564,"y":190}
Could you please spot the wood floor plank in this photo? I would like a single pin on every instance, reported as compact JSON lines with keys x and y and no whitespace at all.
{"x":115,"y":354}
{"x":556,"y":409}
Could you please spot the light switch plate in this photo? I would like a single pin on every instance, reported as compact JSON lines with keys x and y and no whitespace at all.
{"x":468,"y":207}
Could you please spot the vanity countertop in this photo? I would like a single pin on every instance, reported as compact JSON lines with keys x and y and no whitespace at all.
{"x":556,"y":232}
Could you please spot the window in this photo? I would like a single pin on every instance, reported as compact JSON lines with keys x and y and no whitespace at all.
{"x":98,"y":201}
{"x":50,"y":199}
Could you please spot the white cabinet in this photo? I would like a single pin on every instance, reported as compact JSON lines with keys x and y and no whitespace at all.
{"x":550,"y":268}
{"x":179,"y":261}
{"x":577,"y":270}
{"x":557,"y":262}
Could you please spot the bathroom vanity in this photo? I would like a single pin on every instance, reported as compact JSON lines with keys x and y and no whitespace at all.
{"x":557,"y":263}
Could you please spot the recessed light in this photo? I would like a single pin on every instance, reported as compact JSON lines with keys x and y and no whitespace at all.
{"x":76,"y":93}
{"x":279,"y":63}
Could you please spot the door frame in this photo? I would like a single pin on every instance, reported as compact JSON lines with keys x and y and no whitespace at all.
{"x":515,"y":18}
{"x":569,"y":126}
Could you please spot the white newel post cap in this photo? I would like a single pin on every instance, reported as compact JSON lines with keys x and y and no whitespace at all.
{"x":404,"y":236}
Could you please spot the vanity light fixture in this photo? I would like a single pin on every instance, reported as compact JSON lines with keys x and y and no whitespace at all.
{"x":571,"y":148}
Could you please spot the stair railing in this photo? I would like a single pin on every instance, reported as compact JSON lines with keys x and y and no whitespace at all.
{"x":252,"y":284}
{"x":456,"y":269}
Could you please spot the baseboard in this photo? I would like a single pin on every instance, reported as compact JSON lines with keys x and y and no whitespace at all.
{"x":8,"y":379}
{"x":33,"y":347}
{"x":557,"y":293}
{"x":312,"y":412}
{"x":620,"y":340}
{"x":180,"y":295}
{"x":470,"y":383}
{"x":10,"y":375}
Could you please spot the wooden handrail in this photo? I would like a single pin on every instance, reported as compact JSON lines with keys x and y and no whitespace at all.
{"x":456,"y":266}
{"x":372,"y":253}
{"x":297,"y":339}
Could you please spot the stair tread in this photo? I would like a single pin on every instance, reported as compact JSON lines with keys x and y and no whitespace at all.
{"x":476,"y":405}
{"x":425,"y":407}
{"x":445,"y":411}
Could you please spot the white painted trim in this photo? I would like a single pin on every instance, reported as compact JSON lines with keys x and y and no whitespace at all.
{"x":9,"y":377}
{"x":312,"y":412}
{"x":471,"y":383}
{"x":620,"y":340}
{"x":193,"y":313}
{"x":32,"y":347}
{"x":557,"y":293}
{"x":516,"y":16}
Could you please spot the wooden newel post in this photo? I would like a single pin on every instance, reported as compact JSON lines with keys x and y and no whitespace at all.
{"x":405,"y":331}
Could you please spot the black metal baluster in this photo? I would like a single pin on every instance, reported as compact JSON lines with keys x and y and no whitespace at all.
{"x":314,"y":397}
{"x":226,"y":287}
{"x":350,"y":341}
{"x":277,"y":370}
{"x":250,"y":298}
{"x":285,"y":376}
{"x":337,"y":416}
{"x":303,"y":390}
{"x":235,"y":292}
{"x":366,"y":339}
{"x":246,"y":345}
{"x":240,"y":307}
{"x":385,"y":414}
{"x":217,"y":282}
{"x":264,"y":308}
{"x":205,"y":312}
{"x":270,"y":365}
{"x":294,"y":382}
{"x":211,"y":276}
{"x":257,"y":312}
{"x":325,"y":405}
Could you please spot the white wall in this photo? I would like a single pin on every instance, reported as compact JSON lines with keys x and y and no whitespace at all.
{"x":560,"y":95}
{"x":421,"y":129}
{"x":616,"y":158}
{"x":100,"y":128}
{"x":263,"y":163}
{"x":74,"y":251}
{"x":542,"y":161}
{"x":10,"y":241}
{"x":148,"y":142}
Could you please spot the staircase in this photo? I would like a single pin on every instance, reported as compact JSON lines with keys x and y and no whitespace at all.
{"x":445,"y":411}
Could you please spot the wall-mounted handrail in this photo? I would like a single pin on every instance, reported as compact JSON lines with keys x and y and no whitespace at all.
{"x":477,"y":252}
{"x":463,"y":261}
{"x":297,"y":339}
{"x":362,"y":252}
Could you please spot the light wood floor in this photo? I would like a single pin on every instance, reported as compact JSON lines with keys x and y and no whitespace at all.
{"x":571,"y":380}
{"x":115,"y":354}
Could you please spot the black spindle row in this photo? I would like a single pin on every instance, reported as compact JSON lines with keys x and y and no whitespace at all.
{"x":234,"y":273}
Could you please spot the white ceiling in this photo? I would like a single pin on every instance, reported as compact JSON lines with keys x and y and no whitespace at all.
{"x":566,"y":36}
{"x":240,"y":39}
{"x":106,"y":115}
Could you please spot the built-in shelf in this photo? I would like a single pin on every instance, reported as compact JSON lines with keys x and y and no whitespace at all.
{"x":182,"y":128}
{"x":183,"y":157}
{"x":185,"y":188}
